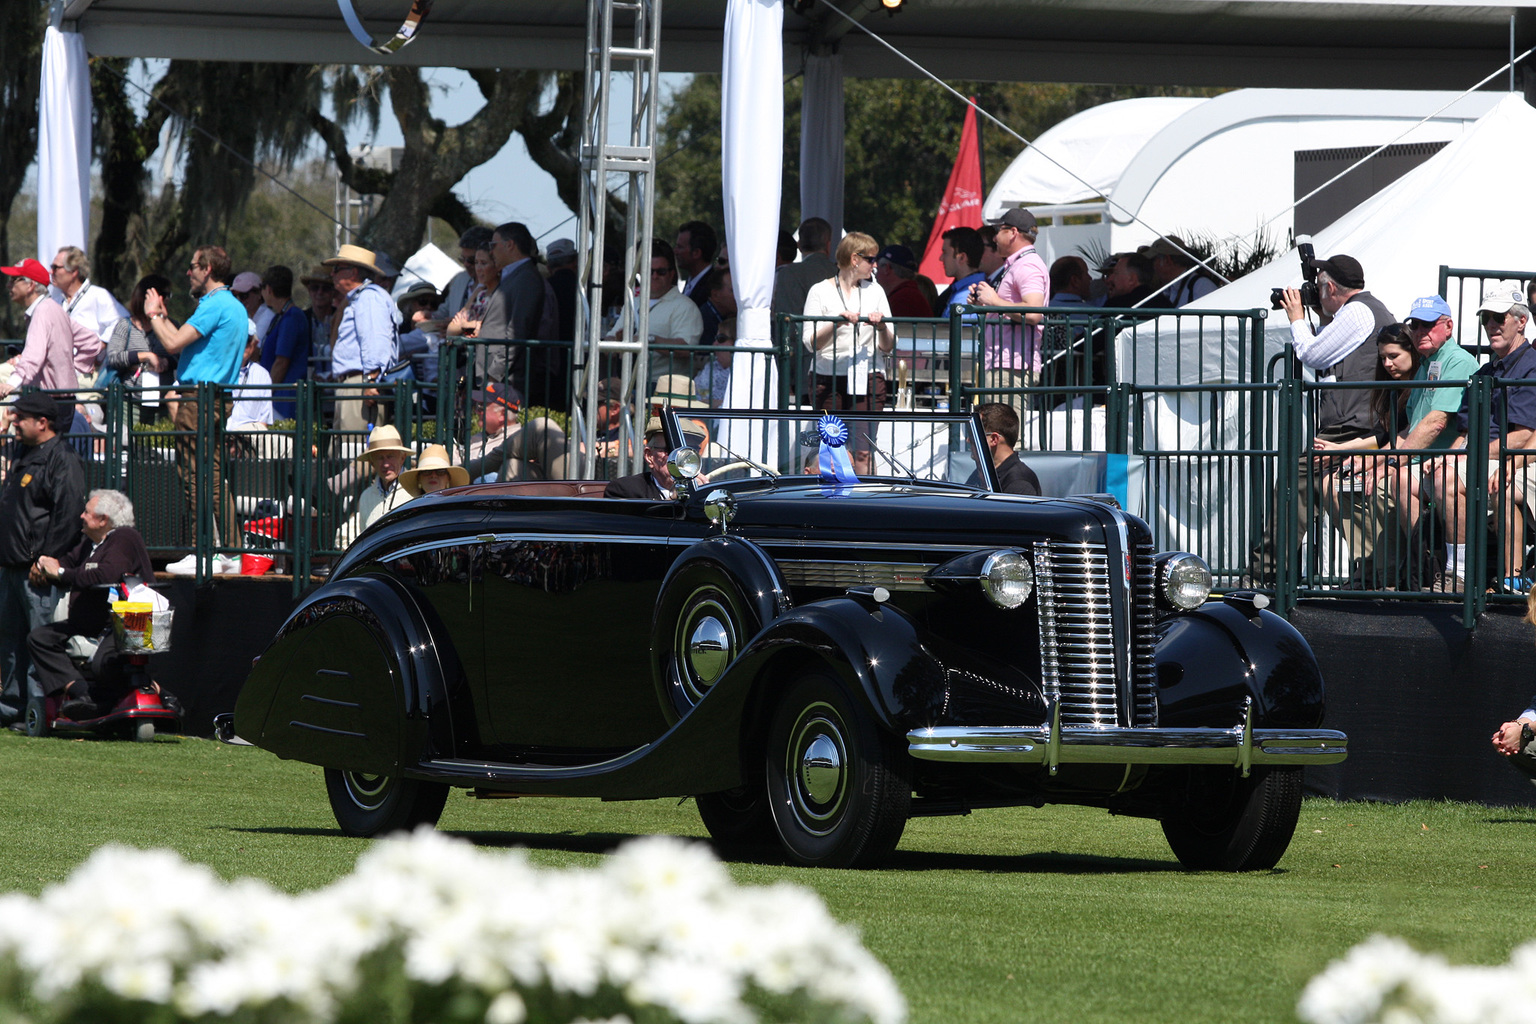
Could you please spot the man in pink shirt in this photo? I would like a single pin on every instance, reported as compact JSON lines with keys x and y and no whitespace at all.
{"x":47,"y":360}
{"x":1011,"y":350}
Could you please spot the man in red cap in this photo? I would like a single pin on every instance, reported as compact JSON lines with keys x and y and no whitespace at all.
{"x":47,"y":360}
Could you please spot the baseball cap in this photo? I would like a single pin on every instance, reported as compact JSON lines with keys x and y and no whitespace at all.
{"x":899,"y":255}
{"x":1429,"y":309}
{"x":560,"y":249}
{"x":1343,"y":269}
{"x":1020,"y":218}
{"x":35,"y":403}
{"x":30,"y":269}
{"x":246,"y":281}
{"x":1502,"y":301}
{"x":497,"y":393}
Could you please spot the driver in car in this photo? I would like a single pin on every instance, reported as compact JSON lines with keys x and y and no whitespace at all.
{"x":655,"y":484}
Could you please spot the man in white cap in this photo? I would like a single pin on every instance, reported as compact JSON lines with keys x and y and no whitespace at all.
{"x":386,"y":456}
{"x":247,"y":288}
{"x":366,"y":338}
{"x":1511,"y":432}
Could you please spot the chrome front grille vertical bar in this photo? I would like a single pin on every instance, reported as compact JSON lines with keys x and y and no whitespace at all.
{"x":1077,"y":635}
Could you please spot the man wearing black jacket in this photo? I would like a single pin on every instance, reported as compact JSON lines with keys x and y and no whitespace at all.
{"x":109,"y":550}
{"x":40,"y":509}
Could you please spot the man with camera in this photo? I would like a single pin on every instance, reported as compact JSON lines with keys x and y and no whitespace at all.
{"x":1338,"y":349}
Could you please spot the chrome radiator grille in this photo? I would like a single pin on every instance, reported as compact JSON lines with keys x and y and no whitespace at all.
{"x":1143,"y":639}
{"x":1077,"y":635}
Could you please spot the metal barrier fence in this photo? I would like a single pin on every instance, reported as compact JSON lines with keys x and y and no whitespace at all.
{"x":1464,"y":290}
{"x":1223,"y":461}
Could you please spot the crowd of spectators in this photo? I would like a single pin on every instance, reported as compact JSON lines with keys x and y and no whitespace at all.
{"x":369,"y":324}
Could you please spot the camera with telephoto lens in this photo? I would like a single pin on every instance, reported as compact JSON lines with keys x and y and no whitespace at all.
{"x":1310,"y":297}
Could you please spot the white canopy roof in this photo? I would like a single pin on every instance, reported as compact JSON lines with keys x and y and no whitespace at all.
{"x":1097,"y":144}
{"x":1436,"y":214}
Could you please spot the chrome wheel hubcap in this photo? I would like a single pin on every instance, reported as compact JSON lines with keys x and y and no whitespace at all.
{"x":816,"y":768}
{"x":367,"y":791}
{"x":705,"y":643}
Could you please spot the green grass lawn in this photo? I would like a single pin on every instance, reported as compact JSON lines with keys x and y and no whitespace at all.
{"x":1062,"y":914}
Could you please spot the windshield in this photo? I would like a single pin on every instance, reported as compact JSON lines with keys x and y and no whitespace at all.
{"x":838,"y":447}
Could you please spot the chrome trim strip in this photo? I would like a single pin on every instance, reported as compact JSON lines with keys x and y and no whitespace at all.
{"x":839,"y":574}
{"x":332,"y":703}
{"x":339,"y":673}
{"x":504,"y":538}
{"x":1033,"y":745}
{"x":878,"y":545}
{"x":333,"y":732}
{"x":512,"y":770}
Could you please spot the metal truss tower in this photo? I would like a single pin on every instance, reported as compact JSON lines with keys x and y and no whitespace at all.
{"x":623,"y":161}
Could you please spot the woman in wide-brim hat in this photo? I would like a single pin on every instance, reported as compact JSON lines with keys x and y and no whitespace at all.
{"x":433,"y":472}
{"x":357,"y":256}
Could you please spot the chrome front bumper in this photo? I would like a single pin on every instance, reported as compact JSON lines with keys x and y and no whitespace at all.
{"x":1241,"y":746}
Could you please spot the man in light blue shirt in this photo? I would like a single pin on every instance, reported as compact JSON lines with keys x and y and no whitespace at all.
{"x":211,"y":345}
{"x":366,"y":339}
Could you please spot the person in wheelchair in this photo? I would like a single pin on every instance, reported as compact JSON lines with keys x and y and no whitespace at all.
{"x":110,"y":551}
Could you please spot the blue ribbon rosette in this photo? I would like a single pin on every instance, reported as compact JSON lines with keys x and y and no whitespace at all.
{"x":833,"y":461}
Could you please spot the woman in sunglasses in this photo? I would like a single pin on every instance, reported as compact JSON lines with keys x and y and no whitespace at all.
{"x":851,"y":328}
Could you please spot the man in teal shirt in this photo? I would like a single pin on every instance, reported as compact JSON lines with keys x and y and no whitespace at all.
{"x":212,"y":348}
{"x":1431,"y":410}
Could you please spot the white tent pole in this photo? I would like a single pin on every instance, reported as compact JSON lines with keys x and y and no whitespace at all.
{"x":751,"y":164}
{"x":821,"y":141}
{"x":64,"y":145}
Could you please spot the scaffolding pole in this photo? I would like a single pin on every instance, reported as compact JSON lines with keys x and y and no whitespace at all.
{"x":630,"y":163}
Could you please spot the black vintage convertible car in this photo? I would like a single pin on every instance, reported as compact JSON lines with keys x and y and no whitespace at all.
{"x":836,"y":625}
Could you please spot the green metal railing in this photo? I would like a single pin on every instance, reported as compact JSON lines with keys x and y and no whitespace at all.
{"x":1213,"y":416}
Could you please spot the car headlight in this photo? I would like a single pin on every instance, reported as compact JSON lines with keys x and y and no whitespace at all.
{"x":1008,"y":579}
{"x":1185,"y":581}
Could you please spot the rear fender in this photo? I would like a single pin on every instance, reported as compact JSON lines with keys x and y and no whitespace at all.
{"x":1213,"y":658}
{"x":349,"y":682}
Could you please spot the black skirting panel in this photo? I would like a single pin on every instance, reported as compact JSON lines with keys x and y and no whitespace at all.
{"x":1419,"y":697}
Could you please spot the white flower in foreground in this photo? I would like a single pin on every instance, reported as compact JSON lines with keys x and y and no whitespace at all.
{"x":1352,"y":990}
{"x":660,"y":921}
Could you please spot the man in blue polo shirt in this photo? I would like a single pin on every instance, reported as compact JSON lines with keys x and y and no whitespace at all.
{"x":211,"y":345}
{"x":1511,"y":430}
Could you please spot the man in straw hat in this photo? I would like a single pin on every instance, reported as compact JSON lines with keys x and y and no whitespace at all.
{"x":366,"y":337}
{"x":386,"y":456}
{"x":433,"y":472}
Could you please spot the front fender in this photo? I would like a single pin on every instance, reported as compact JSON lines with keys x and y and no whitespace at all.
{"x":876,"y":649}
{"x":1209,"y":660}
{"x":349,"y":681}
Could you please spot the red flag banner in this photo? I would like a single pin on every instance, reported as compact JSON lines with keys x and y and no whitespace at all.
{"x":962,"y":200}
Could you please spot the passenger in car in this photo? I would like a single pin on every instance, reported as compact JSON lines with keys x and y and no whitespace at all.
{"x":1001,"y":424}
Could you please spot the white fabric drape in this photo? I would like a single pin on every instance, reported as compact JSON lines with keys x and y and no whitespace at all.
{"x":821,"y":142}
{"x":751,"y":165}
{"x":64,"y":146}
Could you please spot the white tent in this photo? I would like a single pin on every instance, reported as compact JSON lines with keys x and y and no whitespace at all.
{"x":1436,"y":214}
{"x":1401,"y":236}
{"x":1095,"y":144}
{"x":1220,"y":167}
